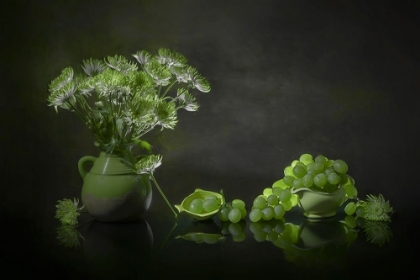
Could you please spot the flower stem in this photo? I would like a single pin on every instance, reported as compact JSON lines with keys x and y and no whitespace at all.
{"x":163,"y":195}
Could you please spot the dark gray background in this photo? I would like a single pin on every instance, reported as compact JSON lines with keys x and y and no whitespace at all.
{"x":338,"y":78}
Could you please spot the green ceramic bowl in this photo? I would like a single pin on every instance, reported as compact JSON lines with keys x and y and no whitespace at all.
{"x":203,"y":194}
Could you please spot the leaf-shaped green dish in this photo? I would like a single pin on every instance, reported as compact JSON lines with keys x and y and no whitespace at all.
{"x":199,"y":193}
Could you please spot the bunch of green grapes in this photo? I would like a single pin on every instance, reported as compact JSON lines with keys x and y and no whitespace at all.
{"x":233,"y":212}
{"x":273,"y":203}
{"x":320,"y":174}
{"x":204,"y":205}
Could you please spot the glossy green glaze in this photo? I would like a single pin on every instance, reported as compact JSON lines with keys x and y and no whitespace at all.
{"x":111,"y":192}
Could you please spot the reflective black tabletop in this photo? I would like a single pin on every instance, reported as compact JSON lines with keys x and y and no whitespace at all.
{"x":161,"y":246}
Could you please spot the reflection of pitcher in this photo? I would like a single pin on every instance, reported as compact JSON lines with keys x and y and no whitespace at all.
{"x":117,"y":249}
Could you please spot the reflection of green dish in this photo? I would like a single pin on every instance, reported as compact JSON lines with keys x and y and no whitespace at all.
{"x":200,"y":237}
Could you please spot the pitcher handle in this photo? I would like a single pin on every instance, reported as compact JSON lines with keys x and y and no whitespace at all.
{"x":81,"y":165}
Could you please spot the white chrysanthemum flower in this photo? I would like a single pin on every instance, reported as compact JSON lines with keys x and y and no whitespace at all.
{"x":148,"y":164}
{"x":197,"y":80}
{"x":142,"y":57}
{"x":171,"y":58}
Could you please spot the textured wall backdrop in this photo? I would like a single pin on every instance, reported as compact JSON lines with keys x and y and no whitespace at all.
{"x":338,"y":78}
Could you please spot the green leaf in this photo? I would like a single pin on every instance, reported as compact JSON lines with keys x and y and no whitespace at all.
{"x":145,"y":145}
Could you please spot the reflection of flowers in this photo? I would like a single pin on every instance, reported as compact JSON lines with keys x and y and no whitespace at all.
{"x":377,"y":232}
{"x":68,"y":236}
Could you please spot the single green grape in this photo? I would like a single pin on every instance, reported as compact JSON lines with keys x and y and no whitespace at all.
{"x":277,"y":191}
{"x":267,"y":213}
{"x":243,"y":213}
{"x":334,"y":178}
{"x":240,"y":237}
{"x":255,"y":227}
{"x":210,"y":204}
{"x":310,"y":166}
{"x":329,"y":170}
{"x":294,"y":199}
{"x":279,"y":227}
{"x":196,"y":206}
{"x":350,"y":221}
{"x":272,"y":236}
{"x":321,"y":159}
{"x":238,"y":203}
{"x":267,"y":227}
{"x":311,"y":171}
{"x":211,"y":238}
{"x":280,"y":184}
{"x":299,"y":171}
{"x":294,"y":163}
{"x":350,"y":208}
{"x":287,"y":205}
{"x":320,"y":180}
{"x":260,"y":236}
{"x":288,"y":180}
{"x":234,"y":215}
{"x":298,"y":183}
{"x":360,"y":211}
{"x":197,"y":237}
{"x":350,"y":190}
{"x":319,"y":167}
{"x":344,"y":179}
{"x":340,"y":166}
{"x":255,"y":215}
{"x":285,"y":195}
{"x":279,"y":211}
{"x":224,"y":214}
{"x":212,"y":196}
{"x":235,"y":229}
{"x":308,"y":180}
{"x":272,"y":200}
{"x":299,"y":163}
{"x":329,"y":163}
{"x":306,"y":158}
{"x":288,"y":171}
{"x":260,"y":202}
{"x":267,"y":192}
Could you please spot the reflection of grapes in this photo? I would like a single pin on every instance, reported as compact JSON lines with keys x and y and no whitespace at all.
{"x":236,"y":230}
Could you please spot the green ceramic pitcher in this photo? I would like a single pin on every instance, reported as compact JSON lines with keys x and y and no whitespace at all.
{"x":111,"y":191}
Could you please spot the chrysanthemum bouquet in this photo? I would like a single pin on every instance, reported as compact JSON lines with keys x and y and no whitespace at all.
{"x":120,"y":101}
